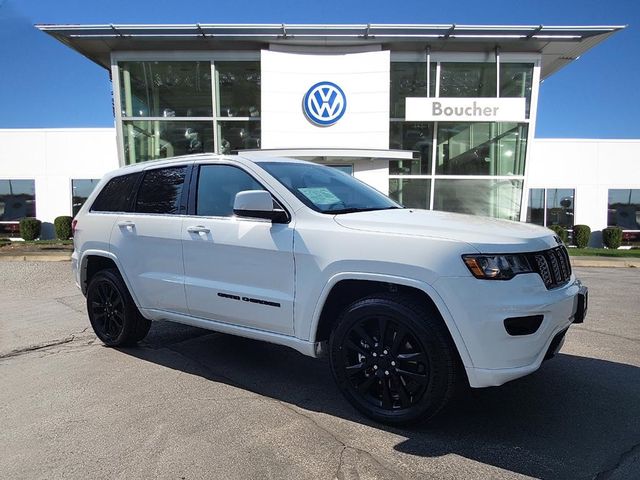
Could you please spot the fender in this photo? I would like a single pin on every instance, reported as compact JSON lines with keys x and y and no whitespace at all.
{"x":103,"y":253}
{"x":409,"y":282}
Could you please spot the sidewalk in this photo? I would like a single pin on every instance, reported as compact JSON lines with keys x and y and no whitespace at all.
{"x":35,"y":256}
{"x":605,"y":262}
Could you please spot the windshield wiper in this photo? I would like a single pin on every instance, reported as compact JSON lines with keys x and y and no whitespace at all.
{"x":360,"y":209}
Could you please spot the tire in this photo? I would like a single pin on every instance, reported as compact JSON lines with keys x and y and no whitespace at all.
{"x":407,"y":374}
{"x":114,"y":317}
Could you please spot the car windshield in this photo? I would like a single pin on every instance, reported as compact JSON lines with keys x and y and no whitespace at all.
{"x":326,"y":189}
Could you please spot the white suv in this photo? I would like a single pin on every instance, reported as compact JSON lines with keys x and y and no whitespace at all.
{"x":407,"y":303}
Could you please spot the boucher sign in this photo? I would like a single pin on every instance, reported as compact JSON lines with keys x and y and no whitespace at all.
{"x":420,"y":109}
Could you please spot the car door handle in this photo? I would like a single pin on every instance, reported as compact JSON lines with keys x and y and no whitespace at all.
{"x":126,"y":224}
{"x":198,"y":229}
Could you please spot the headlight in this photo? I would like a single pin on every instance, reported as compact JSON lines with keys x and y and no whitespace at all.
{"x":497,"y":267}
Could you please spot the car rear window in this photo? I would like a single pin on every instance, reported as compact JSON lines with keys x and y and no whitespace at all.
{"x":116,"y":195}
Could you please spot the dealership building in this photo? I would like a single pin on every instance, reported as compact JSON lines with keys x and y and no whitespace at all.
{"x":437,"y":116}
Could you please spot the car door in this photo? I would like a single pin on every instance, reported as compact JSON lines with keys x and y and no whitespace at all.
{"x":148,"y":241}
{"x":237,"y":270}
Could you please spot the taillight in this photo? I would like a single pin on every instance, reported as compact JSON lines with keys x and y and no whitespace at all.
{"x":74,"y":222}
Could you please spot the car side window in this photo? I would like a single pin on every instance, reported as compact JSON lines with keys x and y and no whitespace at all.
{"x":116,"y":196}
{"x":161,"y":191}
{"x":217,"y":188}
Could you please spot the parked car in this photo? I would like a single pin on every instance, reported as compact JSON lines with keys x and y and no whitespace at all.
{"x":406,"y":303}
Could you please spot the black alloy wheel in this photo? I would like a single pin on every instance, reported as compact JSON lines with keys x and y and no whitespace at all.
{"x":112,"y":312}
{"x":393,"y":359}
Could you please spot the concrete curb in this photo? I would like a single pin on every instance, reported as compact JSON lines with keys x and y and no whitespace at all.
{"x":36,"y":257}
{"x":601,"y":262}
{"x":605,"y":262}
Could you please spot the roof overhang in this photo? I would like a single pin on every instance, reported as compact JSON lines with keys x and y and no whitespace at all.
{"x":558,"y":45}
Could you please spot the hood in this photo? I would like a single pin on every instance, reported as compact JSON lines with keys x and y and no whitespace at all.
{"x":487,"y":235}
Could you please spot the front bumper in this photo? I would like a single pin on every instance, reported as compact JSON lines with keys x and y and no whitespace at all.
{"x":479,"y":308}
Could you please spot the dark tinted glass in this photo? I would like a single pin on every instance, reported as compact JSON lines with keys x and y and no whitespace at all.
{"x":327,"y":190}
{"x":17,"y":199}
{"x":116,"y":195}
{"x":81,"y":190}
{"x":161,"y":190}
{"x":217,"y":188}
{"x":624,"y":209}
{"x":468,"y":79}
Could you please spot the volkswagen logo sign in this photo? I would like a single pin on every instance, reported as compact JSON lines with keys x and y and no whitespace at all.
{"x":324,"y":103}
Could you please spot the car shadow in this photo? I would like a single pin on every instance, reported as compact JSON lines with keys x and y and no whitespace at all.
{"x":572,"y":419}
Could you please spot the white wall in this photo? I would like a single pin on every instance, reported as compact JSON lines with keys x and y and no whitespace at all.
{"x":591,"y":167}
{"x":53,"y":157}
{"x":287,"y":76}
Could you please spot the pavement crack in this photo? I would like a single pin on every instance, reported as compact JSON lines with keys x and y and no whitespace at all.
{"x":42,"y":346}
{"x":629,"y":456}
{"x":631,"y":339}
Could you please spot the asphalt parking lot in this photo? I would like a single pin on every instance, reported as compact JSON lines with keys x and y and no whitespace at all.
{"x":188,"y":403}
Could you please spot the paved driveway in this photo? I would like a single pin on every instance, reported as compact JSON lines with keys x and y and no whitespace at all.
{"x":189,"y":403}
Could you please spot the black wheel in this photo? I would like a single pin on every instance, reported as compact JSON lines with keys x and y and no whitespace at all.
{"x":113,"y":314}
{"x":393,"y":359}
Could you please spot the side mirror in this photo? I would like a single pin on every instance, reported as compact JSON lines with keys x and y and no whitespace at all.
{"x":258,"y":204}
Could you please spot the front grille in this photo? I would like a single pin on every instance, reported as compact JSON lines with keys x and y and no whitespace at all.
{"x":553,"y":266}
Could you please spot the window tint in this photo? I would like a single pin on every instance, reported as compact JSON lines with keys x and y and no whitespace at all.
{"x":161,"y":190}
{"x":116,"y":194}
{"x":217,"y":188}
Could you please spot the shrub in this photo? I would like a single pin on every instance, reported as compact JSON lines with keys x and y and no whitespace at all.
{"x":561,"y":232}
{"x":30,"y":228}
{"x":612,"y":237}
{"x":581,"y":235}
{"x":62,"y":226}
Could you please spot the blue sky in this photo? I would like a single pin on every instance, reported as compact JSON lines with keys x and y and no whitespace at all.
{"x":45,"y":84}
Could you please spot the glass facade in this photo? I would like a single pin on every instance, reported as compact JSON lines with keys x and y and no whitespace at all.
{"x":416,"y":136}
{"x":411,"y":192}
{"x":468,"y":79}
{"x":481,"y":148}
{"x":17,"y":200}
{"x":180,"y":107}
{"x":409,"y":79}
{"x":80,"y":191}
{"x":490,"y":198}
{"x":624,"y":209}
{"x":152,"y":139}
{"x":551,"y":206}
{"x":468,"y":167}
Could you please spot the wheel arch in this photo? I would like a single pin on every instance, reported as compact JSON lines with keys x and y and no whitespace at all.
{"x":95,"y":260}
{"x":345,"y":288}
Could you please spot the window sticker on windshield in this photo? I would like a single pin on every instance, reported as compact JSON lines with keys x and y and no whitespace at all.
{"x":319,"y":195}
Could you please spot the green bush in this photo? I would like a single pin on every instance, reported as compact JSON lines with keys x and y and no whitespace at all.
{"x":561,"y":232}
{"x":612,"y":237}
{"x":30,"y":228}
{"x":62,"y":226}
{"x":581,"y":235}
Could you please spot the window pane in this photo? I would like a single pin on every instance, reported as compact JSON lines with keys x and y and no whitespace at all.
{"x":409,"y":79}
{"x":238,"y":89}
{"x":490,"y":198}
{"x":516,"y":80}
{"x":81,"y":189}
{"x":238,"y":135}
{"x":535,"y":210}
{"x":217,"y":188}
{"x":152,"y":139}
{"x":624,"y":209}
{"x":17,"y":199}
{"x":116,"y":196}
{"x":560,"y":205}
{"x":412,"y":193}
{"x":161,"y":191}
{"x":416,"y":136}
{"x":467,"y":79}
{"x":481,"y":148}
{"x":166,"y":89}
